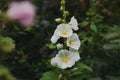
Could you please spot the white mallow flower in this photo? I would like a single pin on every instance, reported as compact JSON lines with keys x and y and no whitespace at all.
{"x":63,"y":30}
{"x":64,"y":59}
{"x":59,"y":46}
{"x":73,"y":41}
{"x":73,"y":23}
{"x":75,"y":54}
{"x":54,"y":38}
{"x":54,"y":61}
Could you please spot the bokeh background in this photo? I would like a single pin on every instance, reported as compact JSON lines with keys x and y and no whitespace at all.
{"x":99,"y":23}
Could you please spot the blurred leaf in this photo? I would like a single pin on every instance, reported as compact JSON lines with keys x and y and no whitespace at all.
{"x":113,"y":33}
{"x":95,"y":78}
{"x":16,"y":28}
{"x":113,"y":78}
{"x":50,"y":75}
{"x":85,"y":23}
{"x":82,"y":66}
{"x":94,"y":28}
{"x":21,"y":61}
{"x":110,"y":46}
{"x":113,"y":38}
{"x":81,"y":77}
{"x":5,"y":74}
{"x":28,"y":29}
{"x":51,"y":46}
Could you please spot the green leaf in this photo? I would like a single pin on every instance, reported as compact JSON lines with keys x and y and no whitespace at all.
{"x":95,"y":78}
{"x":80,"y":69}
{"x":76,"y":78}
{"x":94,"y":28}
{"x":21,"y":61}
{"x":80,"y":77}
{"x":85,"y":23}
{"x":50,"y":75}
{"x":109,"y":46}
{"x":113,"y":78}
{"x":51,"y":46}
{"x":82,"y":66}
{"x":28,"y":29}
{"x":113,"y":33}
{"x":16,"y":28}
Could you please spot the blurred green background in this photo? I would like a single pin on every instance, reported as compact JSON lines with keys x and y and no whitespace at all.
{"x":99,"y":23}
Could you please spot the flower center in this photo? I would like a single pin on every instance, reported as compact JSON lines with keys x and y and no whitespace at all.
{"x":64,"y":32}
{"x":71,"y":42}
{"x":65,"y":59}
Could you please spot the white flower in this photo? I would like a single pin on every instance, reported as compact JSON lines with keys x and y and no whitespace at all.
{"x":75,"y":54}
{"x":64,"y":59}
{"x":63,"y":30}
{"x":54,"y":38}
{"x":73,"y":23}
{"x":54,"y":61}
{"x":59,"y":46}
{"x":73,"y":41}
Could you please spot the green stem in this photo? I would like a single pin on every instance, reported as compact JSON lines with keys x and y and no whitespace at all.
{"x":63,"y":9}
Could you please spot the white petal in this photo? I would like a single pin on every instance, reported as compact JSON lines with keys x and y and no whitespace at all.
{"x":75,"y":41}
{"x":76,"y":55}
{"x":53,"y":61}
{"x":66,"y":28}
{"x":73,"y":23}
{"x":64,"y":65}
{"x":54,"y":38}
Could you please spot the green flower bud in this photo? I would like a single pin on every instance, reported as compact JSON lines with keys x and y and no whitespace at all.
{"x":58,"y":20}
{"x":66,"y":13}
{"x":63,"y":2}
{"x":61,"y":8}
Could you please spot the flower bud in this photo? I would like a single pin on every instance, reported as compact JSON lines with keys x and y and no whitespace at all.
{"x":63,"y":2}
{"x":60,"y":76}
{"x":66,"y":13}
{"x":59,"y":46}
{"x":58,"y":20}
{"x":61,"y":8}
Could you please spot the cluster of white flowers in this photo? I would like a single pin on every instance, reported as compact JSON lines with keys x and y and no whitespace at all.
{"x":66,"y":58}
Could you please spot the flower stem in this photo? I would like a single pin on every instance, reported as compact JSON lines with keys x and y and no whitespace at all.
{"x":64,"y":11}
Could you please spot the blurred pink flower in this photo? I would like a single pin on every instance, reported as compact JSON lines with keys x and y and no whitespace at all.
{"x":23,"y":12}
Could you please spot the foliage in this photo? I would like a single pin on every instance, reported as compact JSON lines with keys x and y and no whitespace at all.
{"x":5,"y":74}
{"x":99,"y":32}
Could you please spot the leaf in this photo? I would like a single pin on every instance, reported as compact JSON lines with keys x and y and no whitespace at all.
{"x":21,"y":61}
{"x":94,"y":28}
{"x":95,"y":78}
{"x":76,"y":78}
{"x":16,"y":28}
{"x":85,"y":23}
{"x":82,"y":66}
{"x":51,"y":46}
{"x":109,"y":46}
{"x":113,"y":33}
{"x":80,"y":77}
{"x":50,"y":75}
{"x":80,"y":69}
{"x":20,"y":32}
{"x":113,"y":78}
{"x":28,"y":29}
